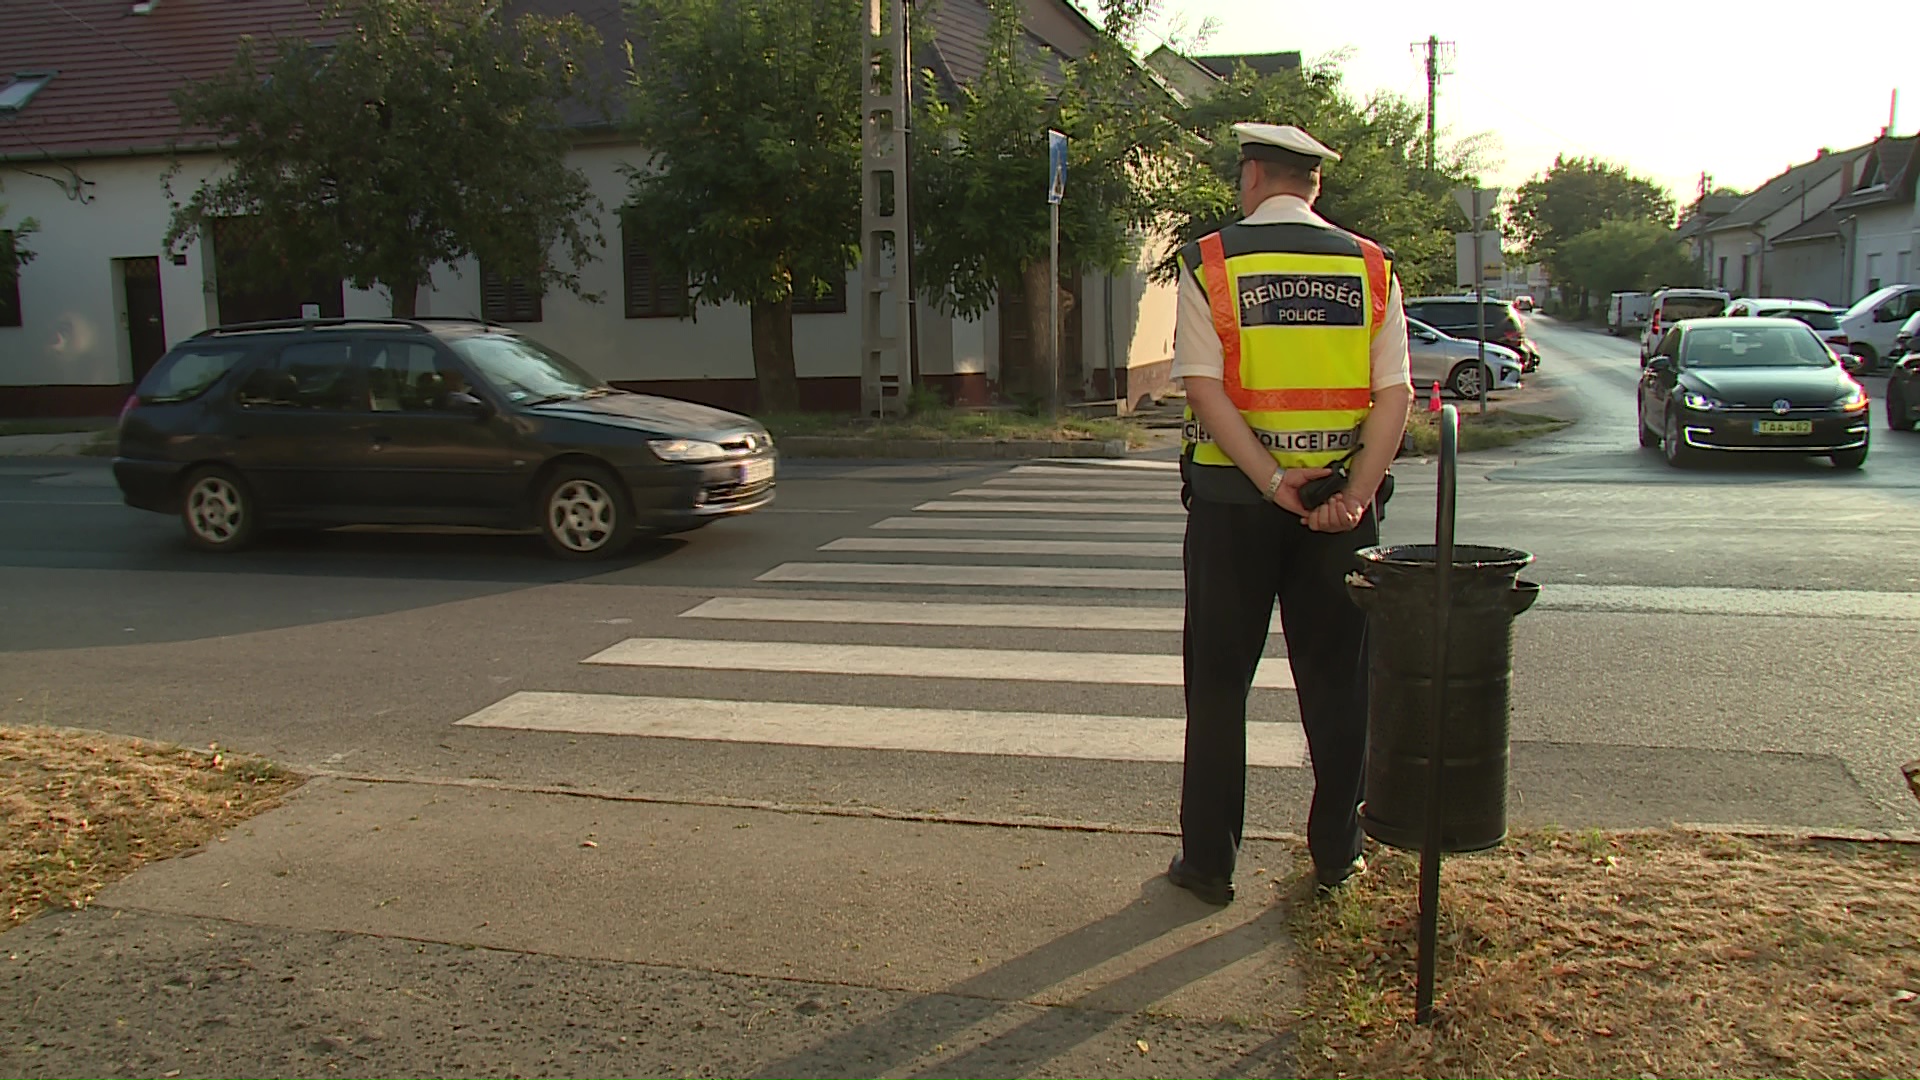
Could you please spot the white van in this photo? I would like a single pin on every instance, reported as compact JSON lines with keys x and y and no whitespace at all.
{"x":1627,"y":313}
{"x":1873,"y":322}
{"x":1669,"y":306}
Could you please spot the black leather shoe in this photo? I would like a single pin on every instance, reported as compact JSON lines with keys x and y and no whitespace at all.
{"x":1333,"y":879}
{"x":1217,"y":891}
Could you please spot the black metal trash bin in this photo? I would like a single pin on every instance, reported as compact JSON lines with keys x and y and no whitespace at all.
{"x":1396,"y":588}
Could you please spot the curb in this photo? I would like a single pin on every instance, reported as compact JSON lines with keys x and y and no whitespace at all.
{"x":830,"y":446}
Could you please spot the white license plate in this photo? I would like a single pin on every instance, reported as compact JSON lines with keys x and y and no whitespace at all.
{"x":758,"y":471}
{"x":1783,"y":427}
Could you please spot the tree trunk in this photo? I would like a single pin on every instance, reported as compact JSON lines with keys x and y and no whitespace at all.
{"x":406,"y":300}
{"x":1044,"y":375}
{"x":773,"y":357}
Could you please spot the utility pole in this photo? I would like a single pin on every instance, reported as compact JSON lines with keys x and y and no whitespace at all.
{"x":1439,"y":54}
{"x":886,"y":246}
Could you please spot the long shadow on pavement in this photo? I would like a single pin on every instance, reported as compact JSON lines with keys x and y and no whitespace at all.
{"x":921,"y":1027}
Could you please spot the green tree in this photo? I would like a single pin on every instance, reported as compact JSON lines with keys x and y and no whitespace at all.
{"x":1575,"y":196}
{"x":981,"y":222}
{"x":1380,"y":187}
{"x":14,"y":252}
{"x":750,"y":112}
{"x":426,"y":132}
{"x":1621,"y":256}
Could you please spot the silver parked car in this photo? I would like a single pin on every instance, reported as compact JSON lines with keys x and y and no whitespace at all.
{"x":1449,"y":361}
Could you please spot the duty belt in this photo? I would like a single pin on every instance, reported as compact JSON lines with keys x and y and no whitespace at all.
{"x":1297,"y":442}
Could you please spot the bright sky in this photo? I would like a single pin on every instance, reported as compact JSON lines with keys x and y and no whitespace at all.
{"x":1670,"y":89}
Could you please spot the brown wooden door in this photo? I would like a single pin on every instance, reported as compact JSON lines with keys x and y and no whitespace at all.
{"x":146,"y":325}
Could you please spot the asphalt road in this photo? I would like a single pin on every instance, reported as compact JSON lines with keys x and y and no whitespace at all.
{"x":1729,"y":644}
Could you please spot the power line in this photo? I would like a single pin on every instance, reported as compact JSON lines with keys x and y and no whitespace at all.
{"x":115,"y":39}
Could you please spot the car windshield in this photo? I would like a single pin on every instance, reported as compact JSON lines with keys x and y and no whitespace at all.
{"x":525,"y":372}
{"x":1754,"y":346}
{"x":1814,"y":317}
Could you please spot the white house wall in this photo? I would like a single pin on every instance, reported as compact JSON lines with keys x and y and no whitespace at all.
{"x":1884,"y":245}
{"x":73,"y":333}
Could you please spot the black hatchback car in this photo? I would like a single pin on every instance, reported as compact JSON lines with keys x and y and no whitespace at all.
{"x":1750,"y":385}
{"x":1455,"y":316}
{"x":424,"y":421}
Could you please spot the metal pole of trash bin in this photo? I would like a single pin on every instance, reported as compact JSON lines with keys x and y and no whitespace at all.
{"x":1443,"y":599}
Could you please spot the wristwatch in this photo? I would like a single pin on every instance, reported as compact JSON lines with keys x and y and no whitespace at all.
{"x":1273,"y":483}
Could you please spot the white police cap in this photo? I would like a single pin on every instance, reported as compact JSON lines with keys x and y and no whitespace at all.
{"x":1285,"y":137}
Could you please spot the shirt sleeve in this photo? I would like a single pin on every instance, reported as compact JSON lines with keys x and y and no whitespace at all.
{"x":1390,"y":362}
{"x":1196,"y":347}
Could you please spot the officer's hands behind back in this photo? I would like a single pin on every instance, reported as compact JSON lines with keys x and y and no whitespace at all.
{"x":1287,"y":497}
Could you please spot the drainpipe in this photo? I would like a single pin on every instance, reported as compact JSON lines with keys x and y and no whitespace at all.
{"x":1760,"y":270}
{"x":1113,"y":388}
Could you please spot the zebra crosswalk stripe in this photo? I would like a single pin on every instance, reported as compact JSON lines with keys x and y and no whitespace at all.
{"x":908,"y":661}
{"x":953,"y":731}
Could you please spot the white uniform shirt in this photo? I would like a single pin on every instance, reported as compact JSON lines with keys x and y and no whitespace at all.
{"x":1196,"y":346}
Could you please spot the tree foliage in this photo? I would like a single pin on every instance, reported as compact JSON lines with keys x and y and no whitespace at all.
{"x":1575,"y":196}
{"x":981,"y":222}
{"x":427,"y":131}
{"x":14,"y":252}
{"x":750,"y":112}
{"x":1379,"y":188}
{"x":1626,"y":255}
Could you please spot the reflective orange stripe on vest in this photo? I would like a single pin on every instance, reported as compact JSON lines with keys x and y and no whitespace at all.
{"x":1226,"y":323}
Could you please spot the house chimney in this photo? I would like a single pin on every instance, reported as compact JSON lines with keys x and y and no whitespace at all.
{"x":1820,"y":154}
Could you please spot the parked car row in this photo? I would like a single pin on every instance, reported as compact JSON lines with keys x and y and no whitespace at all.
{"x":1462,"y":317}
{"x":1869,"y":336}
{"x":428,"y":421}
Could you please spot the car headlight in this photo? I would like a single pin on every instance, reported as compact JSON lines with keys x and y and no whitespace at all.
{"x":1699,"y":402}
{"x":1853,"y":400}
{"x":686,"y":450}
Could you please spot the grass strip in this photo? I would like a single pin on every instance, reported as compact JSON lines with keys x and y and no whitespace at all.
{"x":1497,"y":428}
{"x":82,"y":809}
{"x":1656,"y":953}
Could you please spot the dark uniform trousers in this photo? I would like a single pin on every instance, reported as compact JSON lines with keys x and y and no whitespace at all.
{"x":1240,"y":558}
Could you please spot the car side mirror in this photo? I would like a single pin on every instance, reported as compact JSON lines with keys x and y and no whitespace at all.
{"x":1661,"y":365}
{"x":1422,"y":335}
{"x":459,"y":401}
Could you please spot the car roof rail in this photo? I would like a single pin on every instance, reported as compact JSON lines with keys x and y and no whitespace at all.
{"x":311,"y":324}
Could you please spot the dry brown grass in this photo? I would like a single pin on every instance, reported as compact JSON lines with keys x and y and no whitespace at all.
{"x":83,"y":808}
{"x":1626,"y":954}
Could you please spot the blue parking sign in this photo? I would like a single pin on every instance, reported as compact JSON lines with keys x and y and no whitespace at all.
{"x":1056,"y":165}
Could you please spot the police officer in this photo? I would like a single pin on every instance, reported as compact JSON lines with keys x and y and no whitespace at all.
{"x":1292,"y":346}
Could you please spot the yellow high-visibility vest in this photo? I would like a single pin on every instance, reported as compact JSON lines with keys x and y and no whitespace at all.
{"x":1297,"y":308}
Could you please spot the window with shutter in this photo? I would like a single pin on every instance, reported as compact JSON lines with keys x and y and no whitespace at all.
{"x":652,"y":291}
{"x":507,"y":300}
{"x":833,"y":303}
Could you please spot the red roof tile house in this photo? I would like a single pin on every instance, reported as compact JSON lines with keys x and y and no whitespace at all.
{"x":88,"y":129}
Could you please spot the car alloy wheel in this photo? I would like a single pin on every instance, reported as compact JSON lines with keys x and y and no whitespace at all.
{"x":1675,"y":442}
{"x":1465,"y":380}
{"x":217,"y":511}
{"x":582,"y":516}
{"x":584,"y":513}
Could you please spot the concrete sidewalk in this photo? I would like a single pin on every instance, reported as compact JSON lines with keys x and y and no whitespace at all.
{"x":66,"y":444}
{"x":422,"y":929}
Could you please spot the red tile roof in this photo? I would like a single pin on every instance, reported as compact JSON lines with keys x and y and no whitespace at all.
{"x":117,"y":70}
